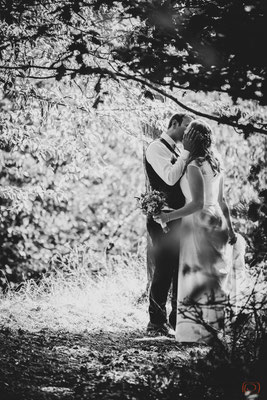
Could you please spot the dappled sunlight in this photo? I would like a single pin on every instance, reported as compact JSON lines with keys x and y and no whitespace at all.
{"x":75,"y":301}
{"x":85,"y":87}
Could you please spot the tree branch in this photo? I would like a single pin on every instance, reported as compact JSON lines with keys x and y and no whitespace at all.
{"x":246,"y":128}
{"x":220,"y":120}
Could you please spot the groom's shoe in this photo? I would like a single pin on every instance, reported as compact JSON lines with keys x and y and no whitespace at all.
{"x":160,"y":330}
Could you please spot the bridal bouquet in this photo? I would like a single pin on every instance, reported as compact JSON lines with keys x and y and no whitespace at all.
{"x":152,"y":204}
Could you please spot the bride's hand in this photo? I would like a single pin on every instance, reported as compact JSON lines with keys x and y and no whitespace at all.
{"x":232,"y":236}
{"x":162,"y":218}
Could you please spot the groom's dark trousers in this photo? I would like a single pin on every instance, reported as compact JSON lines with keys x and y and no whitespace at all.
{"x":166,"y":260}
{"x":165,"y":247}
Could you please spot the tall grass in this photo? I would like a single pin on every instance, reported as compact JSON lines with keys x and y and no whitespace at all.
{"x":104,"y":293}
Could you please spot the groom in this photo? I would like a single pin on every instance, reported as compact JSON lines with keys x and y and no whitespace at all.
{"x":165,"y":161}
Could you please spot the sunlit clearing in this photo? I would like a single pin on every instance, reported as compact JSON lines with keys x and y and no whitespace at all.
{"x":74,"y":299}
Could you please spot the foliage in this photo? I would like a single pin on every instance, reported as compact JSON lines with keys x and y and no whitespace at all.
{"x":238,"y":355}
{"x":257,"y":212}
{"x":80,"y":293}
{"x":60,"y":186}
{"x":98,"y":320}
{"x":70,"y":173}
{"x":194,"y":44}
{"x":81,"y":84}
{"x":71,"y":148}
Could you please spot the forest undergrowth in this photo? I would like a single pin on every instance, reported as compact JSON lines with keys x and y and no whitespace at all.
{"x":80,"y":334}
{"x":76,"y":298}
{"x":73,"y":306}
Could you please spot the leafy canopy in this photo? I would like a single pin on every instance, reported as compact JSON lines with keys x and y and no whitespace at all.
{"x":162,"y":44}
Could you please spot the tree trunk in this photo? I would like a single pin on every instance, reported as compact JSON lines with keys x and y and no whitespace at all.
{"x":149,"y":133}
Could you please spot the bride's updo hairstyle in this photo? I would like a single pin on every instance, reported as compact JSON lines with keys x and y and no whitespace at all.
{"x":203,"y":145}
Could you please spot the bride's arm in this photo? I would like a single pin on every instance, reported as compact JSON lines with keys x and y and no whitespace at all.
{"x":225,"y":210}
{"x":196,"y":185}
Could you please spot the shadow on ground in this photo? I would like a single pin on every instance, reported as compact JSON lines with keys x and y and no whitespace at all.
{"x":50,"y":365}
{"x":94,"y":365}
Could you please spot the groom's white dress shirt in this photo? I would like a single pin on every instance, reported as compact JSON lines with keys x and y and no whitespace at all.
{"x":159,"y":157}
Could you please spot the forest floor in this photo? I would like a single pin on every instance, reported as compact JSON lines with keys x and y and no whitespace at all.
{"x":95,"y":365}
{"x":73,"y":337}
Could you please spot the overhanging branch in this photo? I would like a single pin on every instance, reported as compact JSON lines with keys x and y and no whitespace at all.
{"x":246,"y":128}
{"x":220,"y":120}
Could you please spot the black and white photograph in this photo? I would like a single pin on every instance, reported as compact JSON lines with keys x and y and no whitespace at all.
{"x":133,"y":199}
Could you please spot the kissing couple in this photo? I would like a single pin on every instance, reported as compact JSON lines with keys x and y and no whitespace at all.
{"x":191,"y":257}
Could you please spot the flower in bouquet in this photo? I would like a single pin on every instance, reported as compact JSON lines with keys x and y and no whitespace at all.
{"x":152,"y":203}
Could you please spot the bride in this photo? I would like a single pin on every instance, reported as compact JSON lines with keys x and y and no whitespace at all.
{"x":206,"y":231}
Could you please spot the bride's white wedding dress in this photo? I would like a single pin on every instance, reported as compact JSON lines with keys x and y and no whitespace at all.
{"x":204,"y":267}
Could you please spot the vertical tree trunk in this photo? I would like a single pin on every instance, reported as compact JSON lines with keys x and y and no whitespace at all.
{"x":150,"y":133}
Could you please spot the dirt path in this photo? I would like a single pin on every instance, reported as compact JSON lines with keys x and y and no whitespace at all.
{"x":100,"y":365}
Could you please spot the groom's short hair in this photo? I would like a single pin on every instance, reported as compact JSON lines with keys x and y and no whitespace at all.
{"x":179,"y":118}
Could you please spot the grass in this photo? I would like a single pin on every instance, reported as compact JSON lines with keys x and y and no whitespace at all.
{"x":77,"y":298}
{"x":80,"y":333}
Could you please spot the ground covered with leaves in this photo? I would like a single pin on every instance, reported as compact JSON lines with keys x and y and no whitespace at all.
{"x":73,"y":336}
{"x":93,"y":365}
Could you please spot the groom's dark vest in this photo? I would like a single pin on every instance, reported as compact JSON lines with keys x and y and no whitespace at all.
{"x":174,"y":195}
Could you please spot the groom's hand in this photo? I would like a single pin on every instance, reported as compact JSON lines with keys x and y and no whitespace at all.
{"x":189,"y":140}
